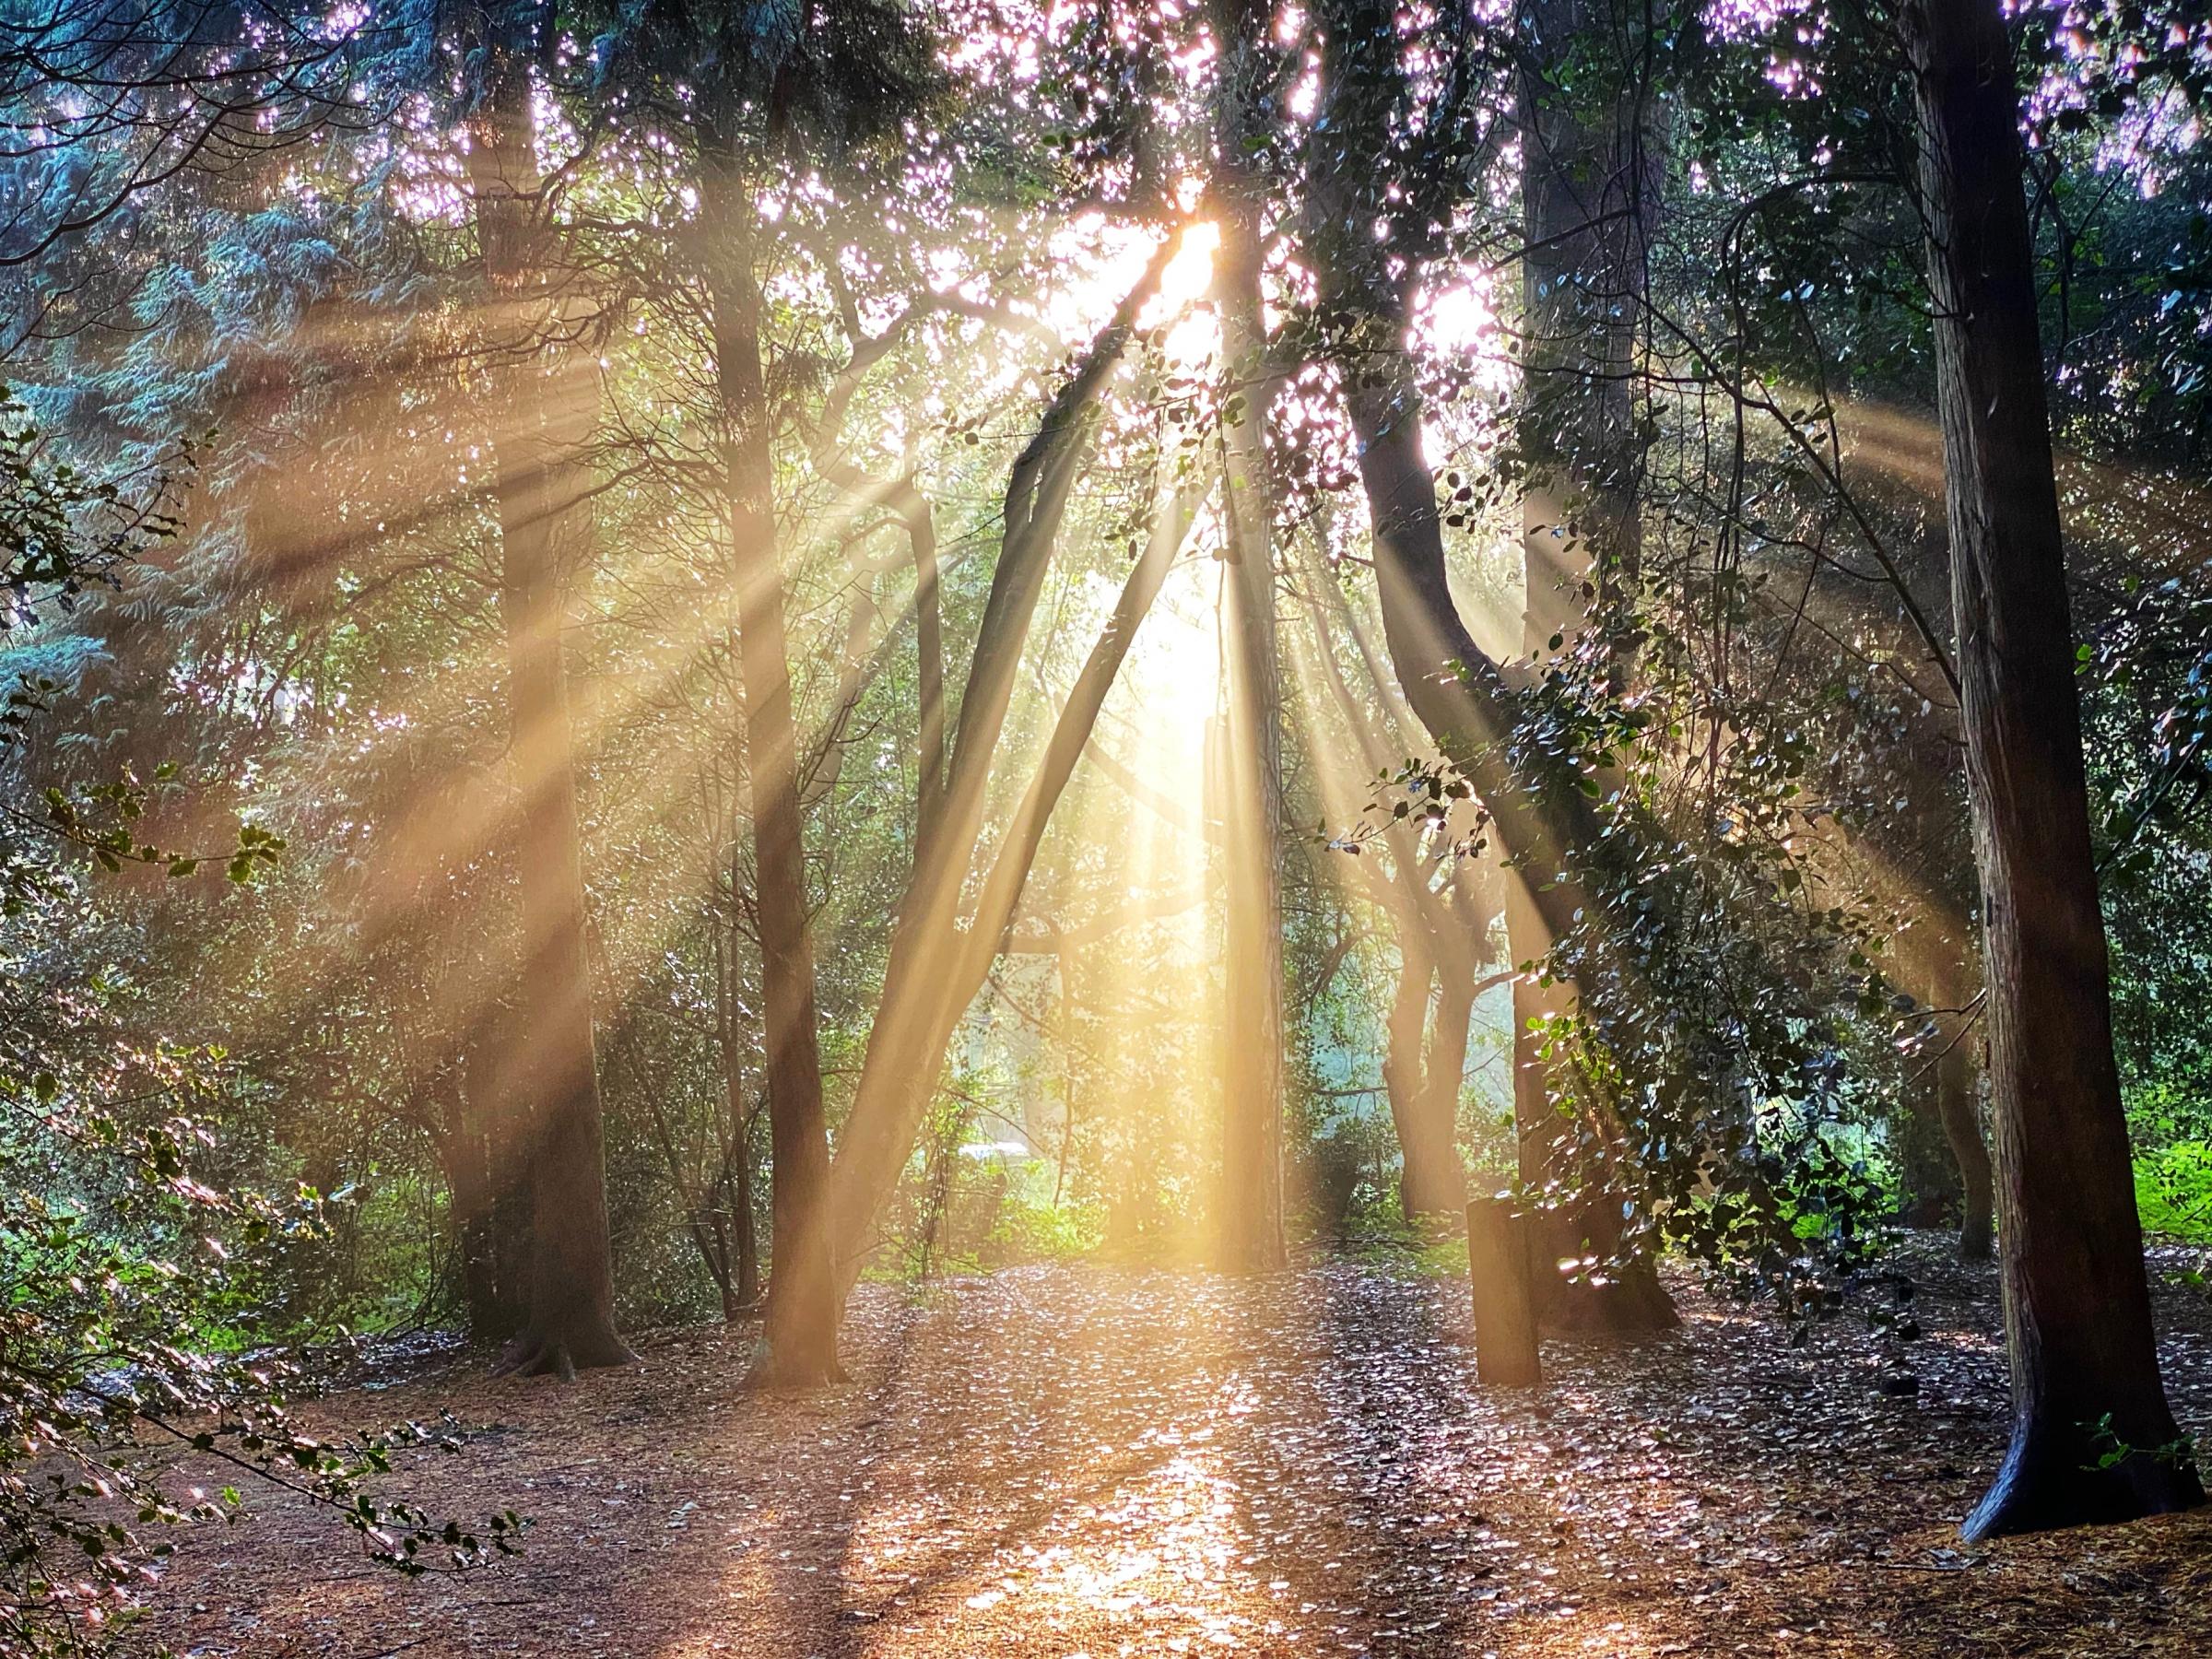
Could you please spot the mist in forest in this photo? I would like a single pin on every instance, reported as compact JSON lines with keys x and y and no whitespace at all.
{"x":1077,"y":827}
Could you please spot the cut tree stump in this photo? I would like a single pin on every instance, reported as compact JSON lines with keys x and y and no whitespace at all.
{"x":1505,"y":1303}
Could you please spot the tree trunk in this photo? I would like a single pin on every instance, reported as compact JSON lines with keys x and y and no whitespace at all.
{"x":1423,"y":1088}
{"x":1251,"y":1213}
{"x":1441,"y":937}
{"x":547,"y":1065}
{"x":1442,"y":1189}
{"x":1586,"y":199}
{"x":906,"y":1042}
{"x":1403,"y":1075}
{"x":1959,"y":1104}
{"x":747,"y":1232}
{"x":929,"y":659}
{"x":489,"y":1196}
{"x":799,"y":1343}
{"x":2092,"y":1438}
{"x":1583,"y":203}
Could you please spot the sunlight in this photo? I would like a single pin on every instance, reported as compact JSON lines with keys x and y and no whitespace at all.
{"x":1188,"y":275}
{"x":1017,"y":755}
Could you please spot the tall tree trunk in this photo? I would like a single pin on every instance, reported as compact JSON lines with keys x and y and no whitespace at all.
{"x":490,"y":1190}
{"x":1443,"y":1190}
{"x":551,"y":1062}
{"x":799,"y":1343}
{"x":1404,"y":1075}
{"x":1959,"y":1105}
{"x":1584,"y":207}
{"x":546,"y":1063}
{"x":1252,"y":1218}
{"x":906,"y":1042}
{"x":2092,"y":1437}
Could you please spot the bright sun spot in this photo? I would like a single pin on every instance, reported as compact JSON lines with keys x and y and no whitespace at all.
{"x":1188,"y":274}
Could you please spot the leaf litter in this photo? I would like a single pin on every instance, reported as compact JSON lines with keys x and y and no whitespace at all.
{"x":1091,"y":1463}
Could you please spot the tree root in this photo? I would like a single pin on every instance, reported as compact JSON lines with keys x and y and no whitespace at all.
{"x":534,"y":1354}
{"x":2054,"y":1476}
{"x":768,"y":1373}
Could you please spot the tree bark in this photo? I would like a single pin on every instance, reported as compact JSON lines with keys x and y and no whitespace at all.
{"x":2092,"y":1437}
{"x":1404,"y":1077}
{"x":548,"y":1063}
{"x":1251,"y":1210}
{"x":799,"y":1341}
{"x":929,"y":659}
{"x":1584,"y":205}
{"x":1441,"y":1188}
{"x":489,"y":1194}
{"x":1959,"y":1105}
{"x":906,"y":1040}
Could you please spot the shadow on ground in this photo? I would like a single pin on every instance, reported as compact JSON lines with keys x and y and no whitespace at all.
{"x":1082,"y":1462}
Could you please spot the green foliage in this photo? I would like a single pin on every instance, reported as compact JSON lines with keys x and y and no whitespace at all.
{"x":129,"y":1279}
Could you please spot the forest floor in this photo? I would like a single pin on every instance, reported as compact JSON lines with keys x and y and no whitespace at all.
{"x":1079,"y":1463}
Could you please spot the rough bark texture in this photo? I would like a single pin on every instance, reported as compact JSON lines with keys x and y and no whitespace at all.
{"x":799,"y":1343}
{"x":2090,"y":1424}
{"x":547,"y":1065}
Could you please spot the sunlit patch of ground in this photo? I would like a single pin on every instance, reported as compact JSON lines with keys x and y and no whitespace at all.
{"x":1090,"y":1462}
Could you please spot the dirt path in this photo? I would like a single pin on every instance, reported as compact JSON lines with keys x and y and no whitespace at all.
{"x":1084,"y":1463}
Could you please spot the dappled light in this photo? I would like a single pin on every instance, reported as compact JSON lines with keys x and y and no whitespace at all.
{"x":952,"y":828}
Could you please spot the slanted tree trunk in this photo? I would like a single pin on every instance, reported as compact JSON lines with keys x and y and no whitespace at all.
{"x":1252,"y":1219}
{"x":799,"y":1342}
{"x":547,"y":1065}
{"x":2091,"y":1433}
{"x":906,"y":1040}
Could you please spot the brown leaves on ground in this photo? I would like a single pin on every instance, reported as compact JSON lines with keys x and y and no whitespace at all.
{"x":1087,"y":1462}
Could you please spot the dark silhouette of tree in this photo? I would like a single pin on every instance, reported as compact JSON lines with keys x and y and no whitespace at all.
{"x":2092,"y":1437}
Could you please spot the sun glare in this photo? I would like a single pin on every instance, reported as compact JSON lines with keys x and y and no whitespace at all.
{"x":1188,"y":274}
